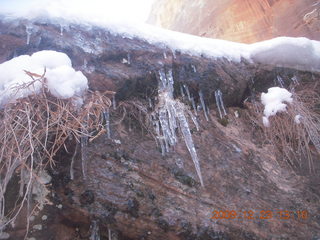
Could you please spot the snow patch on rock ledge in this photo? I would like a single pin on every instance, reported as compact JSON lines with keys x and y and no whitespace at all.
{"x":61,"y":79}
{"x":298,"y":53}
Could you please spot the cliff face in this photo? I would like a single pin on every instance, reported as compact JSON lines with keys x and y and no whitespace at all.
{"x":131,"y":191}
{"x":240,"y":20}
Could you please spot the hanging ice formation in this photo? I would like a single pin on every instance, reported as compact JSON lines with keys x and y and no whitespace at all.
{"x":182,"y":92}
{"x":84,"y":144}
{"x":164,"y":55}
{"x":106,"y":116}
{"x":203,"y":105}
{"x":128,"y":59}
{"x":219,"y":102}
{"x":187,"y":91}
{"x":295,"y":80}
{"x":61,"y":30}
{"x":114,"y":102}
{"x":170,"y":116}
{"x":95,"y":235}
{"x":280,"y":81}
{"x":28,"y":31}
{"x":194,"y":68}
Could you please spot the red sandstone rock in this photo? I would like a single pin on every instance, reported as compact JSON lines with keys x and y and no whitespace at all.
{"x":240,"y":20}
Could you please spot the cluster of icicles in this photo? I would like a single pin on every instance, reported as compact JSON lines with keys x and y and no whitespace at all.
{"x":170,"y":116}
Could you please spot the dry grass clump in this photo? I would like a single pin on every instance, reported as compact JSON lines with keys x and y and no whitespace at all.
{"x":33,"y":129}
{"x":295,"y":134}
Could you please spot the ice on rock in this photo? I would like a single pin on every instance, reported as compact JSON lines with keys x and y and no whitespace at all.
{"x":114,"y":104}
{"x":95,"y":232}
{"x":106,"y":116}
{"x":194,"y":106}
{"x":203,"y":105}
{"x":187,"y":91}
{"x":84,"y":145}
{"x":164,"y":55}
{"x":295,"y":80}
{"x":171,"y":117}
{"x":28,"y":31}
{"x":219,"y":102}
{"x":182,"y":92}
{"x":280,"y":81}
{"x":184,"y":127}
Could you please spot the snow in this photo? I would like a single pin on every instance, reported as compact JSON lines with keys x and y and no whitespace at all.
{"x":274,"y":101}
{"x":297,"y":119}
{"x":62,"y":80}
{"x":298,"y":53}
{"x":137,"y":10}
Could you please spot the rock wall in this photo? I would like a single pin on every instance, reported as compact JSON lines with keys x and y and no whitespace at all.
{"x":240,"y":20}
{"x":133,"y":192}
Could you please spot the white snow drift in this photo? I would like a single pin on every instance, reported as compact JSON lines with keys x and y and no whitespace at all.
{"x":298,"y":53}
{"x":62,"y":80}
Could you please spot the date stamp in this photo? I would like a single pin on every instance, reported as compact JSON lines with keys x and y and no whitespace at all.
{"x":259,"y":214}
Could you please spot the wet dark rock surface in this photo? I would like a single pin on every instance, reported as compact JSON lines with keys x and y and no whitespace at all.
{"x":130,"y":189}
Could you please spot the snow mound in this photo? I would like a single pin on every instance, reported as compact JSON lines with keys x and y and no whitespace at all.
{"x":62,"y":80}
{"x":299,"y":53}
{"x":274,"y":102}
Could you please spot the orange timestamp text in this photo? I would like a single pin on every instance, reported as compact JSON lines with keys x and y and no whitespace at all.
{"x":259,"y":214}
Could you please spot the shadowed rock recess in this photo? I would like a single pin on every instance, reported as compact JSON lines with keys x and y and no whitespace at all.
{"x":131,"y":190}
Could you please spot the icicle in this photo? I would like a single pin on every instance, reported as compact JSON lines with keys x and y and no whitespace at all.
{"x":106,"y":116}
{"x":187,"y":91}
{"x":174,"y":54}
{"x":194,"y":106}
{"x":114,"y":102}
{"x":72,"y":161}
{"x":219,"y":102}
{"x":194,"y":68}
{"x":150,"y":102}
{"x":95,"y":235}
{"x":182,"y":92}
{"x":109,"y":234}
{"x":280,"y":81}
{"x":171,"y":116}
{"x":187,"y":137}
{"x":84,"y":144}
{"x":156,"y":125}
{"x":170,"y":83}
{"x":163,"y":80}
{"x":295,"y":80}
{"x":129,"y":58}
{"x":164,"y":55}
{"x":61,"y":30}
{"x":194,"y":119}
{"x":85,"y":63}
{"x":28,"y":31}
{"x":203,"y":105}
